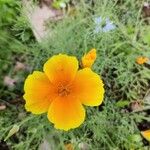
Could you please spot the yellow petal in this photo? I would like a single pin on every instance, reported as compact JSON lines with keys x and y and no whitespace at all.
{"x":89,"y":58}
{"x":66,"y":113}
{"x":61,"y":68}
{"x":39,"y":93}
{"x":88,"y":86}
{"x":146,"y":134}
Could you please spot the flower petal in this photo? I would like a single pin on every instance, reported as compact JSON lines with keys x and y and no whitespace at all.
{"x":66,"y":113}
{"x":141,"y":60}
{"x":39,"y":92}
{"x":61,"y":68}
{"x":88,"y":86}
{"x":146,"y":134}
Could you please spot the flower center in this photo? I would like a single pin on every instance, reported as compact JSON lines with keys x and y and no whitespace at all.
{"x":63,"y":90}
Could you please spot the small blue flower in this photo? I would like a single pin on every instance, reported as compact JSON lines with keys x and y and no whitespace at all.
{"x":98,"y":20}
{"x":109,"y":27}
{"x":106,"y":28}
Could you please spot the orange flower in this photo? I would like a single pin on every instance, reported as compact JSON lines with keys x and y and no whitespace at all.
{"x":146,"y":134}
{"x":141,"y":60}
{"x":89,"y":58}
{"x":69,"y":146}
{"x":62,"y":90}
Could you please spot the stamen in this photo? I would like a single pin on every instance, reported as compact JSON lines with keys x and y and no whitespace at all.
{"x":63,"y":90}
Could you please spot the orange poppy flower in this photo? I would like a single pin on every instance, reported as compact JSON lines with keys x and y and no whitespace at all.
{"x":62,"y":90}
{"x":69,"y":146}
{"x":146,"y":134}
{"x":141,"y":60}
{"x":89,"y":58}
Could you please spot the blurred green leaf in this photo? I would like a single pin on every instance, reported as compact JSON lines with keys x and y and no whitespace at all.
{"x":122,"y":103}
{"x":12,"y":131}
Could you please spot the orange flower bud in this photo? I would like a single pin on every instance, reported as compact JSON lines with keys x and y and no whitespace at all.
{"x":89,"y":58}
